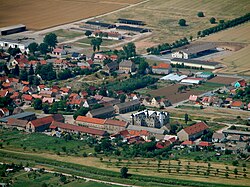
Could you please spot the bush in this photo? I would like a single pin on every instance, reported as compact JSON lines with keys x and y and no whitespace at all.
{"x":200,"y":14}
{"x":212,"y":20}
{"x":235,"y":163}
{"x":182,"y":22}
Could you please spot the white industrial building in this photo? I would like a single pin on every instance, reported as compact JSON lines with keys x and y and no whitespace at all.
{"x":173,"y":77}
{"x":192,"y":81}
{"x":196,"y":63}
{"x":21,"y":44}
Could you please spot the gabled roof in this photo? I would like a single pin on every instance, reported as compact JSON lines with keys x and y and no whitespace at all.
{"x":101,"y":110}
{"x":205,"y":144}
{"x":236,"y":103}
{"x":196,"y":128}
{"x":3,"y":93}
{"x":187,"y":142}
{"x":126,"y":63}
{"x":90,"y":120}
{"x":17,"y":122}
{"x":115,"y":122}
{"x":27,"y":97}
{"x":193,"y":98}
{"x":47,"y":120}
{"x":128,"y":104}
{"x":76,"y":128}
{"x":162,"y":66}
{"x":217,"y":135}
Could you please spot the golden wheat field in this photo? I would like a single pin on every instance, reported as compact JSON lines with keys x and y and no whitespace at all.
{"x":38,"y":14}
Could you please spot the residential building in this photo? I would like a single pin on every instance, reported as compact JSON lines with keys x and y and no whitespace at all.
{"x":16,"y":123}
{"x":193,"y":132}
{"x":127,"y":66}
{"x":4,"y":112}
{"x":218,"y":137}
{"x":150,"y":118}
{"x":162,"y":68}
{"x":63,"y":127}
{"x":129,"y":106}
{"x":58,"y":52}
{"x":111,"y":67}
{"x":41,"y":124}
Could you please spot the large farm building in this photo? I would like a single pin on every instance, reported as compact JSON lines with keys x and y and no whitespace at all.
{"x":196,"y":63}
{"x":12,"y":29}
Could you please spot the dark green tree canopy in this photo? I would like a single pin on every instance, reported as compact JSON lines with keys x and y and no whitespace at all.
{"x":200,"y":14}
{"x":182,"y":22}
{"x":33,"y":47}
{"x":212,"y":20}
{"x":43,"y":48}
{"x":51,"y":40}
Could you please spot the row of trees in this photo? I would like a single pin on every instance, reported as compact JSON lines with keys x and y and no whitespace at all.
{"x":49,"y":42}
{"x":223,"y":25}
{"x":167,"y":46}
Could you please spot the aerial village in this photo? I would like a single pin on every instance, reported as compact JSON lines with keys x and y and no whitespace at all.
{"x":52,"y":88}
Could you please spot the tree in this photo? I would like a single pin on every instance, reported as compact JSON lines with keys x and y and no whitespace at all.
{"x":51,"y":40}
{"x":200,"y":14}
{"x":226,"y":175}
{"x":182,"y":22}
{"x":186,"y":118}
{"x":124,"y":172}
{"x":122,"y":98}
{"x":33,"y":47}
{"x":43,"y":48}
{"x":6,"y":69}
{"x":212,"y":20}
{"x":142,"y":67}
{"x":235,"y":171}
{"x":88,"y":33}
{"x":37,"y":104}
{"x":81,"y":112}
{"x":46,"y":108}
{"x":96,"y":43}
{"x":63,"y":178}
{"x":24,"y":75}
{"x":16,"y":70}
{"x":129,"y":50}
{"x":31,"y":71}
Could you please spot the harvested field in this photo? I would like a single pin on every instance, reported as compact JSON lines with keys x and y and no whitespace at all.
{"x":162,"y":16}
{"x":237,"y":62}
{"x":223,"y":80}
{"x":48,"y":13}
{"x":171,"y":93}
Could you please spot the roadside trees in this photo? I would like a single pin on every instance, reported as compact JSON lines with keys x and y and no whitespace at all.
{"x":51,"y":40}
{"x":124,"y":172}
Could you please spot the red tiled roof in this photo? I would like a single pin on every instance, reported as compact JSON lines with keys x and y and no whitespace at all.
{"x":43,"y":62}
{"x":76,"y":128}
{"x":90,"y":120}
{"x":14,"y":95}
{"x":237,"y":104}
{"x":3,"y":93}
{"x":10,"y":90}
{"x":193,"y":98}
{"x":65,"y":90}
{"x":243,"y":83}
{"x":41,"y":86}
{"x":6,"y":85}
{"x":205,"y":144}
{"x":17,"y":122}
{"x":47,"y":120}
{"x":25,"y":82}
{"x":162,"y":66}
{"x":124,"y":133}
{"x":161,"y":145}
{"x":187,"y":142}
{"x":25,"y":89}
{"x":115,"y":122}
{"x":42,"y":121}
{"x":27,"y":97}
{"x":198,"y":127}
{"x":4,"y":110}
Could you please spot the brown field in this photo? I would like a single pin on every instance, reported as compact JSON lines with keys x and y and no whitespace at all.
{"x":48,"y":13}
{"x":238,"y":62}
{"x":223,"y":80}
{"x":171,"y":93}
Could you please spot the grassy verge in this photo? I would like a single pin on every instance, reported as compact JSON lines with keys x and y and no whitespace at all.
{"x":101,"y":174}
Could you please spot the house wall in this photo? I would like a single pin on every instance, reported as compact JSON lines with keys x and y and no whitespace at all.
{"x":126,"y":109}
{"x":161,"y":71}
{"x":182,"y":135}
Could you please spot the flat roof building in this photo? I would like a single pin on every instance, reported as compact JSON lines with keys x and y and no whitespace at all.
{"x":12,"y":29}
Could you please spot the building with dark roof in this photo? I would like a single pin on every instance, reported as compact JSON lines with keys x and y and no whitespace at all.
{"x":103,"y":112}
{"x":195,"y":50}
{"x":12,"y":29}
{"x":133,"y":29}
{"x":129,"y":106}
{"x":127,"y":66}
{"x":130,"y":21}
{"x":111,"y":67}
{"x":193,"y":132}
{"x":196,"y":63}
{"x":100,"y":24}
{"x":24,"y":116}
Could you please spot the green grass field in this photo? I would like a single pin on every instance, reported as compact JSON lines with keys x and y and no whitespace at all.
{"x":208,"y":86}
{"x":17,"y":140}
{"x":68,"y":34}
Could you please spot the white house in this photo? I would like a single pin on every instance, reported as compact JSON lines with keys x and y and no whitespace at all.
{"x":21,"y":44}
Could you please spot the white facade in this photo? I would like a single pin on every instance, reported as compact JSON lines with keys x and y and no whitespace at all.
{"x":180,"y":54}
{"x":13,"y":44}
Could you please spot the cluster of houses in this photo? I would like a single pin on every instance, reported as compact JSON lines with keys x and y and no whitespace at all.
{"x":228,"y":102}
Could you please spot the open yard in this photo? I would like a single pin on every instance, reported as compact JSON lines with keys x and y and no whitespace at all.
{"x":171,"y":93}
{"x":163,"y":16}
{"x":223,"y":80}
{"x":48,"y":13}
